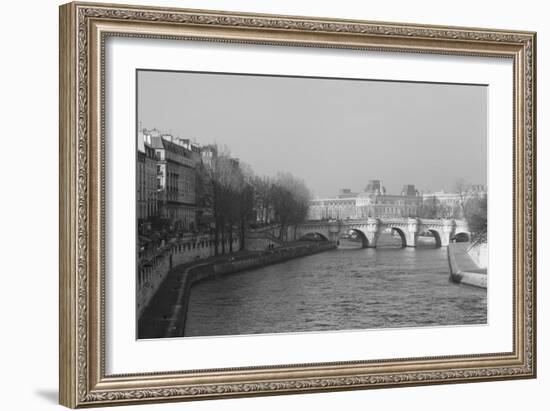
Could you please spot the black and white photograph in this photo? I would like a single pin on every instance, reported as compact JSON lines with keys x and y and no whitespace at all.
{"x":275,"y":205}
{"x":284,"y":204}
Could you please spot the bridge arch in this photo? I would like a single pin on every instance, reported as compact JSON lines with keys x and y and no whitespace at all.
{"x":313,"y":236}
{"x":461,"y":237}
{"x":401,"y":234}
{"x":362,"y":236}
{"x":436,"y":235}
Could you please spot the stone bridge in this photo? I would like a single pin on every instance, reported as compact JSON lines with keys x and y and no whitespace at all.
{"x":369,"y":230}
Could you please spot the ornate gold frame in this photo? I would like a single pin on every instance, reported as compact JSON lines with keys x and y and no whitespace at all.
{"x":83,"y":29}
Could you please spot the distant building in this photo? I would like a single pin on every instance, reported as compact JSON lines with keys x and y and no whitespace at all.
{"x":373,"y":202}
{"x":409,"y":190}
{"x":399,"y":206}
{"x":208,"y":154}
{"x":450,"y":199}
{"x":375,"y":187}
{"x":333,"y":208}
{"x":346,"y":193}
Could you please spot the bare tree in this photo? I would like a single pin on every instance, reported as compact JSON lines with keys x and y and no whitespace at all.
{"x":463,"y":189}
{"x":229,"y":181}
{"x":233,"y":195}
{"x":263,"y":197}
{"x":246,"y":201}
{"x":430,"y":207}
{"x":290,"y":200}
{"x":477,"y":218}
{"x":218,"y":179}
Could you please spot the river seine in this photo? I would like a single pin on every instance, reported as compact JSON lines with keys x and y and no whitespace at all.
{"x":344,"y":289}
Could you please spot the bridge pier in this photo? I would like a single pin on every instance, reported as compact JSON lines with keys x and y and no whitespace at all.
{"x":333,"y":236}
{"x":410,"y":239}
{"x":411,"y":232}
{"x":372,"y":239}
{"x":372,"y":232}
{"x":446,"y":232}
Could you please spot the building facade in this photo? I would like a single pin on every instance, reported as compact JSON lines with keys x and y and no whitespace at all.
{"x":175,"y":162}
{"x":171,"y":181}
{"x":140,"y":186}
{"x":374,"y":202}
{"x":146,"y":179}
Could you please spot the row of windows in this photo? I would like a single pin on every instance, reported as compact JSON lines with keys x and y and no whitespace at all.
{"x":360,"y":212}
{"x":147,"y":209}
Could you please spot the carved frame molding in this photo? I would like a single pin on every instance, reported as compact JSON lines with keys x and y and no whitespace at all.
{"x":83,"y":30}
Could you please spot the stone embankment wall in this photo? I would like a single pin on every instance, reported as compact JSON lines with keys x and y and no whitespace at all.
{"x":464,"y":269}
{"x":261,"y":240}
{"x":187,"y":249}
{"x":200,"y":272}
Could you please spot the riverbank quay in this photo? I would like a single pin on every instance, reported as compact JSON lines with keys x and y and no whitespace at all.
{"x":166,"y":313}
{"x":463,"y":268}
{"x":156,"y":258}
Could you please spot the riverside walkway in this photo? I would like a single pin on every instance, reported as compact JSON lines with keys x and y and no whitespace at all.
{"x":157,"y":316}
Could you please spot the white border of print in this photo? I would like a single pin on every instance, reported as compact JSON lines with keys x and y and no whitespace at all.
{"x":124,"y":354}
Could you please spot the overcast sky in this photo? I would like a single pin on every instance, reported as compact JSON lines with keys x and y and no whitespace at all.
{"x":331,"y":133}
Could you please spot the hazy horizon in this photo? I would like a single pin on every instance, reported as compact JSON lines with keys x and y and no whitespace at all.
{"x":332,"y":133}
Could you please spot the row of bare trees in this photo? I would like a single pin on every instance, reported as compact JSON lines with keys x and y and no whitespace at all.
{"x":467,"y":197}
{"x":432,"y":207}
{"x":476,"y":216}
{"x":231,"y":197}
{"x":470,"y":205}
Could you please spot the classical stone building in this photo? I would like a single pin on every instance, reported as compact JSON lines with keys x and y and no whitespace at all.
{"x":141,"y":179}
{"x":146,"y":179}
{"x":346,"y":193}
{"x":176,"y":181}
{"x":372,"y":202}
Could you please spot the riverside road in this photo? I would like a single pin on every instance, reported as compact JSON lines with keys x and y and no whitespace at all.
{"x":343,"y":289}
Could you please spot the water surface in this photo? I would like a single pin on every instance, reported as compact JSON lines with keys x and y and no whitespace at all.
{"x":343,"y":289}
